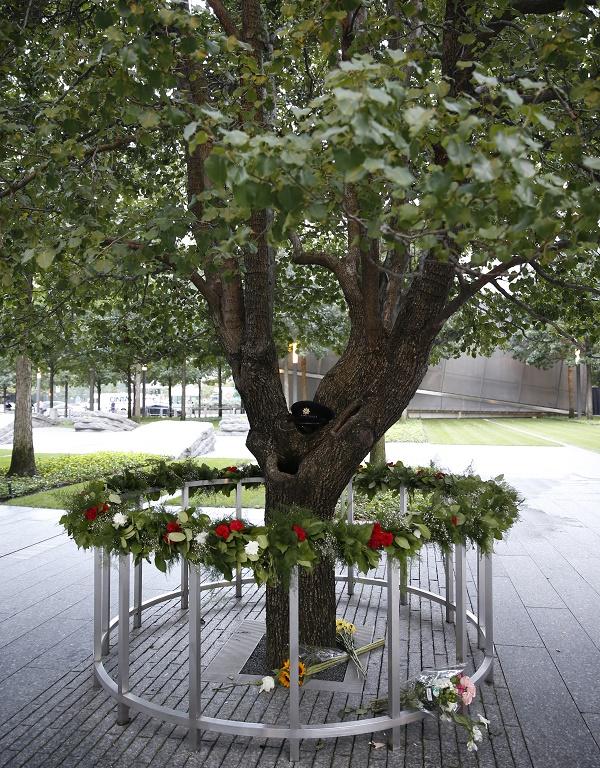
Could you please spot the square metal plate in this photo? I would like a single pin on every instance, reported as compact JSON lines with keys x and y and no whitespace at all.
{"x":240,"y":646}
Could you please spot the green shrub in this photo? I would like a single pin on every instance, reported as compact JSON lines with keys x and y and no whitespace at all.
{"x":67,"y":469}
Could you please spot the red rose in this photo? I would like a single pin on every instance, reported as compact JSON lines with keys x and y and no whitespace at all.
{"x":222,"y":531}
{"x":454,"y":520}
{"x":236,"y":525}
{"x":105,"y":507}
{"x":173,"y":527}
{"x":91,"y":513}
{"x":231,"y":469}
{"x":300,"y":532}
{"x":380,"y":538}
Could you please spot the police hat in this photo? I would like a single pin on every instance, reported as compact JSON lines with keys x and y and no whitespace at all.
{"x":309,"y":416}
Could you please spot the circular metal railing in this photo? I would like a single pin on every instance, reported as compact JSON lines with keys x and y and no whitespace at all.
{"x":190,"y":593}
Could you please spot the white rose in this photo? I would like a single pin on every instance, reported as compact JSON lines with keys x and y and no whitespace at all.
{"x":267,"y":685}
{"x":477,"y":735}
{"x":483,"y":720}
{"x":119,"y":520}
{"x":252,"y":548}
{"x":471,"y":746}
{"x":200,"y":538}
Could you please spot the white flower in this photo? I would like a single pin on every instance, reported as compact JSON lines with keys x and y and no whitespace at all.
{"x":471,"y":746}
{"x":445,"y":718}
{"x":119,"y":520}
{"x":252,"y":548}
{"x":268,"y":683}
{"x":483,"y":720}
{"x":200,"y":538}
{"x":477,"y":735}
{"x":417,"y":533}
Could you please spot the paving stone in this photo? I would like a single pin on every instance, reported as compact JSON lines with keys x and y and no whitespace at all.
{"x":556,"y":735}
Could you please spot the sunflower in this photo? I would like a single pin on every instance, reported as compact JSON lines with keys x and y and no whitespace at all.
{"x":284,"y":673}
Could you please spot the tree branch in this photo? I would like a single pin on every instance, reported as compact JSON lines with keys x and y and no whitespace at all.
{"x":222,"y":14}
{"x":563,"y":284}
{"x":526,"y":308}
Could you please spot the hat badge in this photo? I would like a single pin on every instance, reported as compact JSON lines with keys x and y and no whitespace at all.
{"x":306,"y":411}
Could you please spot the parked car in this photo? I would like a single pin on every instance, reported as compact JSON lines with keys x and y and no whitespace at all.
{"x":161,"y":410}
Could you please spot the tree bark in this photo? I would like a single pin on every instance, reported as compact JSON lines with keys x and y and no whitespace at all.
{"x":183,"y":388}
{"x":51,"y":385}
{"x":22,"y":461}
{"x":92,"y":382}
{"x":98,"y":391}
{"x":589,"y":402}
{"x":220,"y":388}
{"x":317,"y":587}
{"x":571,"y":391}
{"x":377,"y":455}
{"x":170,"y":390}
{"x":199,"y":398}
{"x":66,"y":398}
{"x":129,"y":392}
{"x":136,"y":393}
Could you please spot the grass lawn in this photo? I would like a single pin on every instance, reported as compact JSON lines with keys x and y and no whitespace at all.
{"x":55,"y":499}
{"x":478,"y":432}
{"x":406,"y":431}
{"x":582,"y":433}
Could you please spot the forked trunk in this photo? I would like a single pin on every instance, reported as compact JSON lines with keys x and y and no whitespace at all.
{"x":23,"y":458}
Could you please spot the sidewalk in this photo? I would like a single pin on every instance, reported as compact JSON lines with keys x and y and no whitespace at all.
{"x":544,"y":705}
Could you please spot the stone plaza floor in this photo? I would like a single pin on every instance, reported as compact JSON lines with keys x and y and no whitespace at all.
{"x":544,"y":704}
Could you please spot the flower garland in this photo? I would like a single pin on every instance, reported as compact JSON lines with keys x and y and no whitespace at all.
{"x":444,"y":509}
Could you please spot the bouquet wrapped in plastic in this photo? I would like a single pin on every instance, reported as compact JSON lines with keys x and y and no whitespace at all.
{"x":446,"y":692}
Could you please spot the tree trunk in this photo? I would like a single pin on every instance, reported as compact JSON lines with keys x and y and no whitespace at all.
{"x":66,"y":398}
{"x":571,"y":390}
{"x":317,"y":587}
{"x":22,"y":461}
{"x":92,"y":382}
{"x":220,"y":386}
{"x":98,"y":391}
{"x":199,"y":398}
{"x":4,"y":396}
{"x":377,"y":455}
{"x":170,"y":383}
{"x":183,"y":386}
{"x":51,"y":386}
{"x":137,"y":404}
{"x":589,"y":402}
{"x":129,"y":392}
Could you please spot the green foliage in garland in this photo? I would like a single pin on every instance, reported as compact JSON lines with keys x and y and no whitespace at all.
{"x":444,"y":509}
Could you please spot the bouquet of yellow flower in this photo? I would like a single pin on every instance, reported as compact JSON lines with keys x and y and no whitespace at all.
{"x":344,"y":633}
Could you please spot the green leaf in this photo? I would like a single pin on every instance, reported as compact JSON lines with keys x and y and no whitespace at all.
{"x":400,"y":176}
{"x":149,"y":119}
{"x":45,"y":257}
{"x":290,"y":197}
{"x":592,"y":162}
{"x":216,"y":169}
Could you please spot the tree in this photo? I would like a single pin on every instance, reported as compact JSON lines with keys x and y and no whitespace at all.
{"x":416,"y":152}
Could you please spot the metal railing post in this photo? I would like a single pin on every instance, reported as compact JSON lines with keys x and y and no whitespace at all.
{"x":449,"y":570}
{"x":238,"y":516}
{"x":137,"y":595}
{"x":185,"y":588}
{"x":350,"y":518}
{"x":105,"y":602}
{"x":461,"y":603}
{"x":489,"y":612}
{"x":393,"y":648}
{"x":481,"y":579}
{"x":294,"y":661}
{"x":195,"y":650}
{"x":405,"y":564}
{"x":97,"y":612}
{"x":123,"y":678}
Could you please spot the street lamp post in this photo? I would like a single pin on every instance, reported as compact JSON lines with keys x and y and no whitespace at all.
{"x":39,"y":390}
{"x":144,"y":369}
